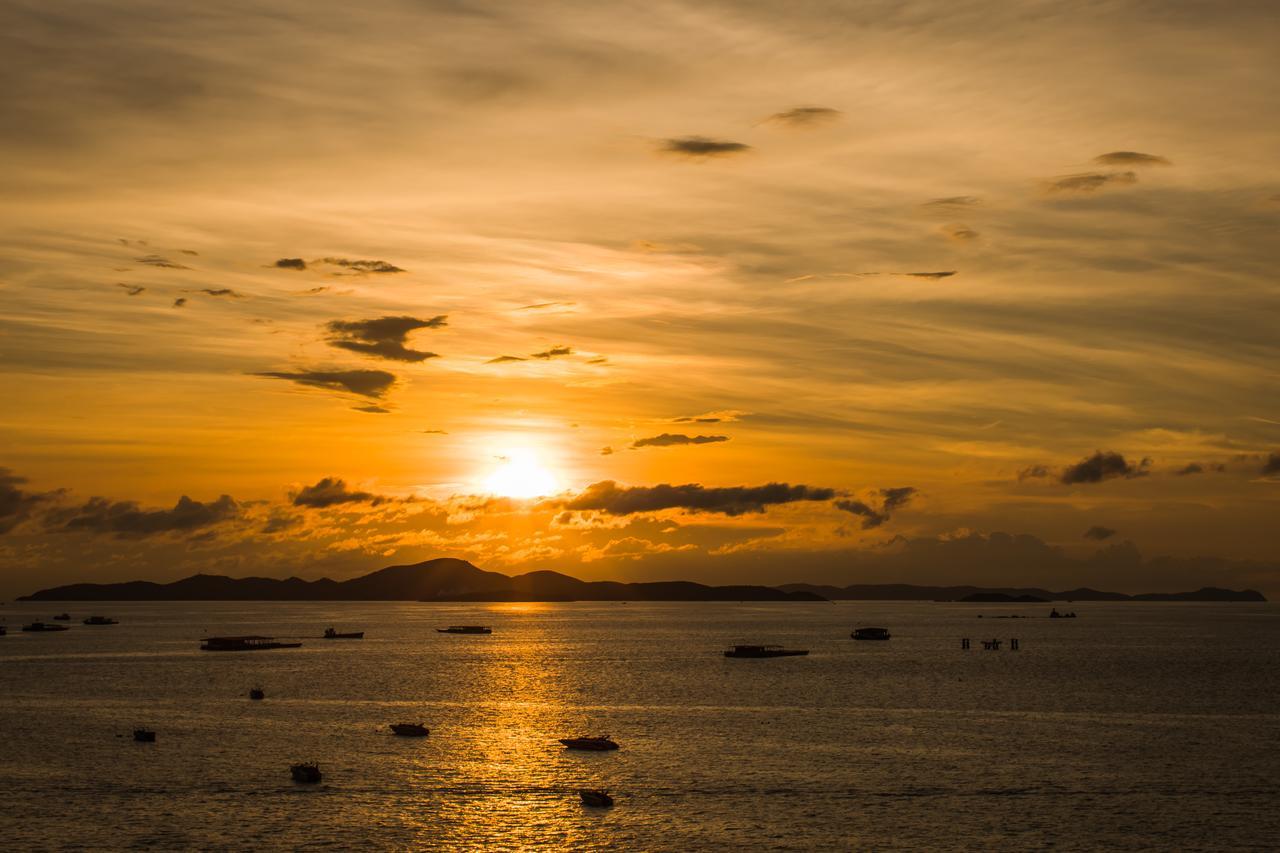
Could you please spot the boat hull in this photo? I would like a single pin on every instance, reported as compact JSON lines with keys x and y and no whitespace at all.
{"x":787,"y":653}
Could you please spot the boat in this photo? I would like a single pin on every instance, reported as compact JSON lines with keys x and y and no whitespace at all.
{"x":144,"y":736}
{"x":602,"y":743}
{"x":36,"y":627}
{"x":870,"y":634}
{"x":243,"y":644}
{"x":257,"y":693}
{"x":763,"y":652}
{"x":1054,"y":614}
{"x":3,"y":631}
{"x":597,"y":798}
{"x":410,"y":729}
{"x":62,"y":617}
{"x":331,"y":634}
{"x":465,"y":629}
{"x":307,"y":774}
{"x":101,"y":620}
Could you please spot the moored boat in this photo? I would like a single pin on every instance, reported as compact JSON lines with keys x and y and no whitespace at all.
{"x":257,"y":693}
{"x":333,"y":634}
{"x":597,"y":798}
{"x":465,"y":629}
{"x":36,"y":627}
{"x":870,"y":634}
{"x":100,"y":620}
{"x":144,"y":736}
{"x":763,"y":652}
{"x":243,"y":644}
{"x":306,"y":774}
{"x":602,"y":743}
{"x":410,"y":729}
{"x":62,"y":617}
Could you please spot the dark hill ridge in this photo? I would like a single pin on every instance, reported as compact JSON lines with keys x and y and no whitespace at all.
{"x":449,"y":579}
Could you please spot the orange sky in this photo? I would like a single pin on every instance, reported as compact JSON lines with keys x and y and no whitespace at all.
{"x":695,"y":233}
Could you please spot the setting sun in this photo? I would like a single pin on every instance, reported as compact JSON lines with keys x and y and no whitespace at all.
{"x":520,"y":475}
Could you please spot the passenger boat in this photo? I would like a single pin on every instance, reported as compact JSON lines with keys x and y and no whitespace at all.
{"x":62,"y":617}
{"x":257,"y":693}
{"x":331,"y":634}
{"x":465,"y":629}
{"x":870,"y":634}
{"x":602,"y":743}
{"x":243,"y":644}
{"x":36,"y":627}
{"x":410,"y":729}
{"x":144,"y":736}
{"x":763,"y":652}
{"x":599,"y":799}
{"x":101,"y":620}
{"x":307,"y":774}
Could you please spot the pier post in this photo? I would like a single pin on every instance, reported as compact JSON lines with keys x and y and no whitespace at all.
{"x":964,"y":644}
{"x":1013,"y":645}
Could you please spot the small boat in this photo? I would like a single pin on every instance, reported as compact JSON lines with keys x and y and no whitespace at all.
{"x":257,"y":693}
{"x":144,"y":736}
{"x":465,"y":629}
{"x":36,"y":627}
{"x":62,"y":617}
{"x":1054,"y":614}
{"x":599,"y":799}
{"x":307,"y":774}
{"x":410,"y":729}
{"x":870,"y":634}
{"x":763,"y":652}
{"x":243,"y":644}
{"x":100,"y":620}
{"x":331,"y":634}
{"x":3,"y":631}
{"x":602,"y":743}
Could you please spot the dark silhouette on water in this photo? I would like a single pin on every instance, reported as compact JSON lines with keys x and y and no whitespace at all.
{"x":410,"y":729}
{"x":62,"y":617}
{"x":601,"y":743}
{"x":763,"y":652}
{"x":144,"y":736}
{"x":333,"y":634}
{"x":243,"y":644}
{"x":257,"y":693}
{"x":37,"y":627}
{"x":465,"y":629}
{"x":306,"y":774}
{"x":870,"y":634}
{"x":596,"y":798}
{"x":1054,"y":614}
{"x":100,"y":620}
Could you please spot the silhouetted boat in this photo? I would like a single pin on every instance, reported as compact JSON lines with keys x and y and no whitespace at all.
{"x":36,"y":627}
{"x":62,"y":617}
{"x":599,"y":799}
{"x":331,"y":634}
{"x":307,"y":774}
{"x":3,"y":631}
{"x":243,"y":644}
{"x":101,"y":620}
{"x":763,"y":652}
{"x":144,"y":736}
{"x":257,"y":693}
{"x":870,"y":634}
{"x":465,"y":629}
{"x":410,"y":729}
{"x":1054,"y":614}
{"x":602,"y":743}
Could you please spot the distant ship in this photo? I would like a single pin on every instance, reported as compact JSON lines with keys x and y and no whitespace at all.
{"x":410,"y":729}
{"x":870,"y":634}
{"x":602,"y":743}
{"x":331,"y":634}
{"x":62,"y":617}
{"x":763,"y":652}
{"x":101,"y":620}
{"x":36,"y":627}
{"x":465,"y":629}
{"x":243,"y":644}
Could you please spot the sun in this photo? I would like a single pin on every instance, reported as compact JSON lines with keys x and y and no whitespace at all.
{"x":521,"y":475}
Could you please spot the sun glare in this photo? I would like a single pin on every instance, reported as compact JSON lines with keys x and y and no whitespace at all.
{"x":521,"y":475}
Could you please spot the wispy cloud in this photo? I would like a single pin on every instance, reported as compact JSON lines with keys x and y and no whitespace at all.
{"x":610,"y":498}
{"x":701,"y":147}
{"x":1130,"y":158}
{"x":804,"y":116}
{"x":383,"y":337}
{"x":668,"y":439}
{"x":1089,"y":182}
{"x":366,"y":383}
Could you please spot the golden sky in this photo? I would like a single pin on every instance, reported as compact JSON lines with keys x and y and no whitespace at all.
{"x":969,"y":291}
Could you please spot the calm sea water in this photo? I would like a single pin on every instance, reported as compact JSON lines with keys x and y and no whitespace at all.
{"x":1134,"y":726}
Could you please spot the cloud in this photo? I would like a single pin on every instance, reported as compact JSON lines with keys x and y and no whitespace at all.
{"x":891,"y":501}
{"x":503,"y":359}
{"x":804,"y":116}
{"x":1130,"y":158}
{"x":1198,"y":468}
{"x":179,"y":302}
{"x":546,"y":306}
{"x":157,"y":261}
{"x":701,"y":146}
{"x":726,"y":416}
{"x":960,"y":233}
{"x":331,"y":491}
{"x":433,"y":432}
{"x":312,"y":291}
{"x":131,"y":289}
{"x":373,"y":410}
{"x":933,"y":275}
{"x":383,"y":337}
{"x":367,"y":383}
{"x":290,"y":264}
{"x":895,"y":499}
{"x":1098,"y":533}
{"x":17,"y":504}
{"x":1103,"y":466}
{"x":668,"y":439}
{"x":1033,"y":472}
{"x":953,"y":201}
{"x":1272,"y":466}
{"x":191,"y":252}
{"x":220,"y":291}
{"x":870,"y":516}
{"x":606,"y":451}
{"x":554,"y":352}
{"x":1090,"y":181}
{"x":126,"y":520}
{"x":610,"y":498}
{"x":364,"y":266}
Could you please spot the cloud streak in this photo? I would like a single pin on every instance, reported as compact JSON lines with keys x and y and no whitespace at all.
{"x":383,"y":337}
{"x":610,"y":498}
{"x":366,"y":383}
{"x":668,"y":439}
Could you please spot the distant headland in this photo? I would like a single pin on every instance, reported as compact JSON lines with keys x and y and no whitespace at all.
{"x":448,"y":579}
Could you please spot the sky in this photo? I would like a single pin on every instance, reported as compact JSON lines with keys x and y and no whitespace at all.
{"x":975,"y":291}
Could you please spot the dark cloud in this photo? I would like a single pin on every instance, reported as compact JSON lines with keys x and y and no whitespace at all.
{"x":126,"y":520}
{"x":668,"y":439}
{"x":600,"y":359}
{"x":608,"y":497}
{"x":220,"y":291}
{"x":1099,"y":533}
{"x":554,"y":352}
{"x":191,"y":252}
{"x":163,"y":263}
{"x":1198,"y":468}
{"x":870,"y":516}
{"x":1130,"y":158}
{"x":895,"y":499}
{"x":367,"y":383}
{"x":953,"y":201}
{"x":290,"y":264}
{"x":960,"y":233}
{"x":383,"y":337}
{"x":606,"y":451}
{"x":179,"y":302}
{"x":701,"y":146}
{"x":1103,"y":466}
{"x":331,"y":491}
{"x":373,"y":410}
{"x":932,"y":275}
{"x":696,"y":420}
{"x":891,"y":501}
{"x":434,"y":432}
{"x":16,"y":503}
{"x":1033,"y":472}
{"x":131,"y":289}
{"x":1090,"y":181}
{"x":1272,"y":466}
{"x":279,"y":521}
{"x":804,"y":116}
{"x":312,"y":291}
{"x":543,"y":306}
{"x":503,"y":359}
{"x":364,"y":266}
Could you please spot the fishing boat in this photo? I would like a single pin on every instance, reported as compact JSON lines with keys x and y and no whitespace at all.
{"x":243,"y":644}
{"x":870,"y":634}
{"x":144,"y":736}
{"x":36,"y":627}
{"x":100,"y":620}
{"x":257,"y":693}
{"x":465,"y":629}
{"x":410,"y":729}
{"x":763,"y":652}
{"x":332,"y":634}
{"x":602,"y":743}
{"x":597,"y":798}
{"x":3,"y":631}
{"x":307,"y":774}
{"x":62,"y":617}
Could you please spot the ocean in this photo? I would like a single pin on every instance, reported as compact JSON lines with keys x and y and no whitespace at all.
{"x":1136,"y":725}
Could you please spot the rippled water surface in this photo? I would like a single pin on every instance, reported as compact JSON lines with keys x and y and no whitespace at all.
{"x":1134,"y":726}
